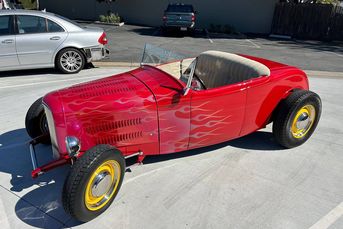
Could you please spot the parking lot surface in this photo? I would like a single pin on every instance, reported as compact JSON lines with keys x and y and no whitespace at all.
{"x":126,"y":45}
{"x":250,"y":182}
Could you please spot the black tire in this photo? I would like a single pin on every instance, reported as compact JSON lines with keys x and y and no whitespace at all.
{"x":75,"y":186}
{"x":35,"y":122}
{"x":288,"y":112}
{"x":77,"y":64}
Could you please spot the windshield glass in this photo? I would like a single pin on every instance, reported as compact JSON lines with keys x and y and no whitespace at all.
{"x":175,"y":64}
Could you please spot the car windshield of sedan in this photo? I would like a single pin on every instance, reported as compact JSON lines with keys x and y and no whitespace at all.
{"x":175,"y":64}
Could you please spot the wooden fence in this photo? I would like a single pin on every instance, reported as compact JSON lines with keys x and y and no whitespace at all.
{"x":308,"y":21}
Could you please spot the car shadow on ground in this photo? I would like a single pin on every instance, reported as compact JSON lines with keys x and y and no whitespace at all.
{"x":260,"y":140}
{"x":40,"y":203}
{"x":28,"y":73}
{"x":33,"y":72}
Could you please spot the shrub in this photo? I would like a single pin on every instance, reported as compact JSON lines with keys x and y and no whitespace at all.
{"x":110,"y":18}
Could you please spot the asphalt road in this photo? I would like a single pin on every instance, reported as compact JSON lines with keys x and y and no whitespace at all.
{"x":245,"y":183}
{"x":126,"y":45}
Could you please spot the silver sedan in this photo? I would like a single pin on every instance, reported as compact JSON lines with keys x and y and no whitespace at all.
{"x":34,"y":39}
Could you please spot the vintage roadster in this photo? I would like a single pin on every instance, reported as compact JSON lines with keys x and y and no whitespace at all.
{"x":164,"y":107}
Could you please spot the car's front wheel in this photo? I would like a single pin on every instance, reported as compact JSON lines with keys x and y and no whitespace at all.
{"x":93,"y":182}
{"x":70,"y":60}
{"x":297,"y":118}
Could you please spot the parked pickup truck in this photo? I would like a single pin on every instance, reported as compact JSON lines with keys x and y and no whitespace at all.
{"x":180,"y":16}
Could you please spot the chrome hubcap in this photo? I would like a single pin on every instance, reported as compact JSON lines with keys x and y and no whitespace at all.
{"x":71,"y":61}
{"x":303,"y":121}
{"x":102,"y":183}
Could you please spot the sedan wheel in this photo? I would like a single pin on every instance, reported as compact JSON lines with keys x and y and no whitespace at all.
{"x":70,"y":61}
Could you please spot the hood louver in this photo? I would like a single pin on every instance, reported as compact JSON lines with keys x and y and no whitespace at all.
{"x":103,"y":87}
{"x":119,"y":138}
{"x":109,"y":126}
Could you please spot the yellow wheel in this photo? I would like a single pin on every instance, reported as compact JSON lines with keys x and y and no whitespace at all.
{"x":303,"y":121}
{"x":93,"y":182}
{"x":102,"y":185}
{"x":296,"y":118}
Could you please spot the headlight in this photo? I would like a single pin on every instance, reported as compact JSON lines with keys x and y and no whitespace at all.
{"x":73,"y":146}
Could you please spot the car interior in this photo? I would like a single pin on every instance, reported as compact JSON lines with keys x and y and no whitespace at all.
{"x":31,"y":24}
{"x":5,"y":23}
{"x":215,"y":69}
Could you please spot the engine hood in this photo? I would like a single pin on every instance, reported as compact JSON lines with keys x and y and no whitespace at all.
{"x":116,"y":110}
{"x":117,"y":92}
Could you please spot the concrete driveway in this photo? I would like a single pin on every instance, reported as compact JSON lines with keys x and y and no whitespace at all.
{"x":246,"y":183}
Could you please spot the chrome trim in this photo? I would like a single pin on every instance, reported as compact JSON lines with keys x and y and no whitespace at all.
{"x":52,"y":131}
{"x":33,"y":157}
{"x":102,"y":183}
{"x":73,"y":146}
{"x":132,"y":155}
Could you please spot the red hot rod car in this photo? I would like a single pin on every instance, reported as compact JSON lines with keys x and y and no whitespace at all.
{"x":163,"y":109}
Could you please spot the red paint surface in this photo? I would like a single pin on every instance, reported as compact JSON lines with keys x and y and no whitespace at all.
{"x":144,"y":110}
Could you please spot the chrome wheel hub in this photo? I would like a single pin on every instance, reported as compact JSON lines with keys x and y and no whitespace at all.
{"x":303,"y":121}
{"x":102,"y":183}
{"x":71,"y":61}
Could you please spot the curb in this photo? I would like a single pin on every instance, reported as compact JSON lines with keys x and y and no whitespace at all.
{"x":101,"y":23}
{"x":116,"y":64}
{"x":324,"y":74}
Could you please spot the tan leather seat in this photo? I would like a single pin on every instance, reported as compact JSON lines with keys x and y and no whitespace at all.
{"x":217,"y":68}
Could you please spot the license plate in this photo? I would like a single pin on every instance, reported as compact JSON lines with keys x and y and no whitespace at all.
{"x":183,"y":29}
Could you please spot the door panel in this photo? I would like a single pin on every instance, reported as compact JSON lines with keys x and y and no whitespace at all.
{"x":35,"y":44}
{"x":8,"y":55}
{"x":216,"y":115}
{"x":173,"y":108}
{"x":174,"y":115}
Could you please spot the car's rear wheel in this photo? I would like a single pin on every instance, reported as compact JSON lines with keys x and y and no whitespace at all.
{"x":297,"y":118}
{"x":70,"y":60}
{"x":36,"y":123}
{"x":93,"y":182}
